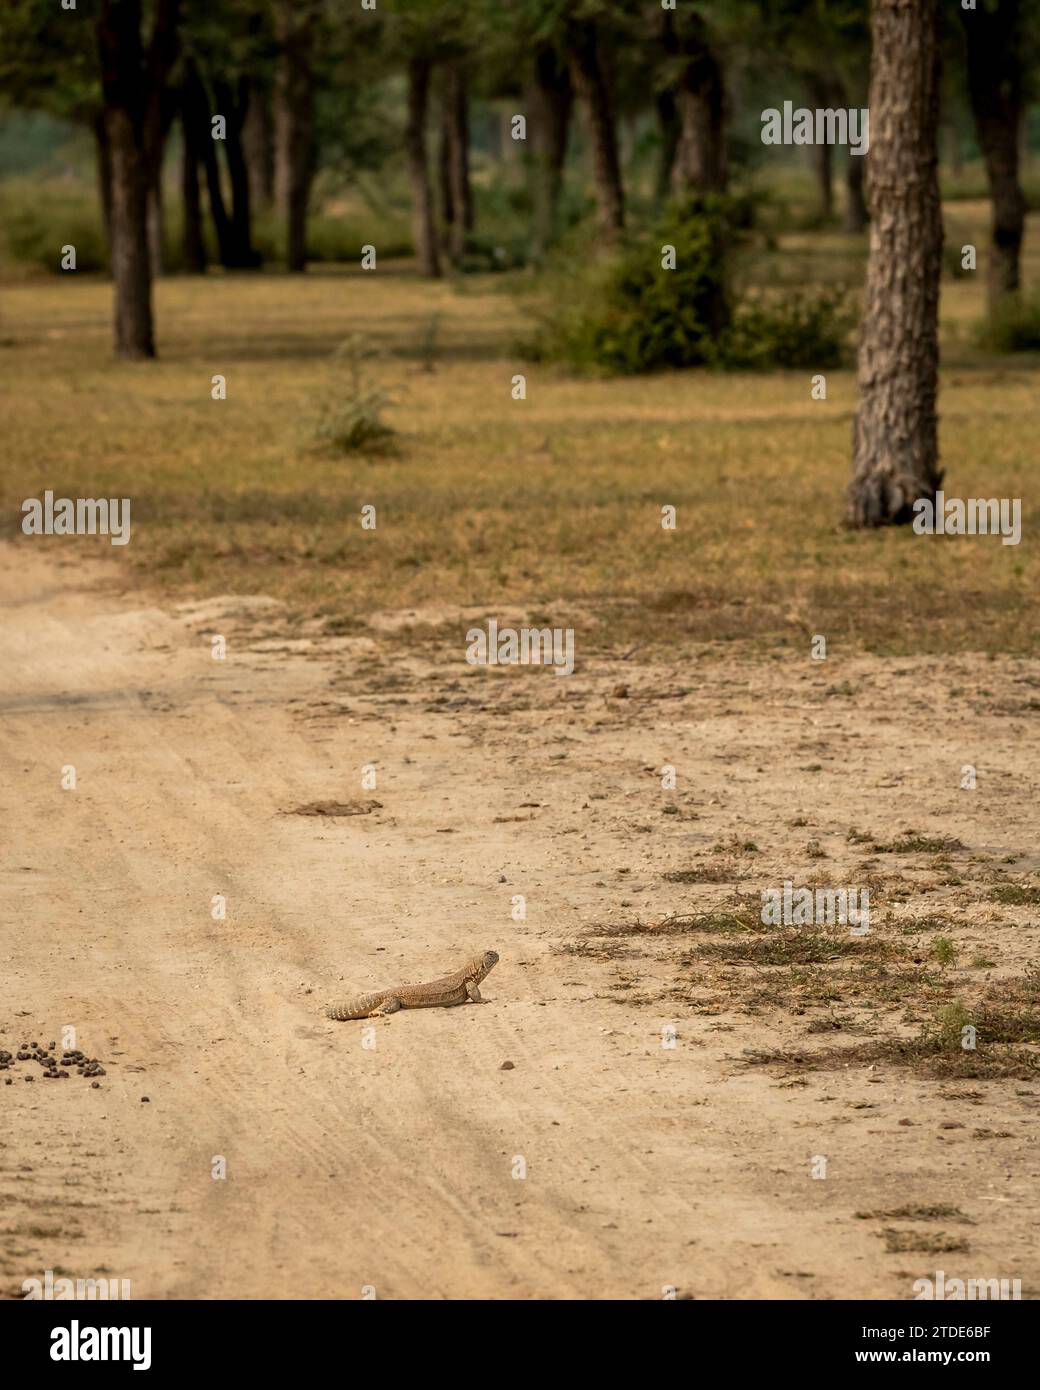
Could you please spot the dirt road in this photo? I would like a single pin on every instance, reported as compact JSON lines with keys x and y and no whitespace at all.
{"x":396,"y":1166}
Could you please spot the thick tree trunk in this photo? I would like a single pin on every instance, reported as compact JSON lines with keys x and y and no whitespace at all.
{"x":700,"y":159}
{"x":133,"y":81}
{"x":856,"y":216}
{"x":456,"y":157}
{"x":895,"y":446}
{"x":194,"y":245}
{"x":258,"y":148}
{"x":590,"y":82}
{"x":131,"y":262}
{"x":995,"y":88}
{"x":553,"y":101}
{"x":424,"y":231}
{"x":296,"y":24}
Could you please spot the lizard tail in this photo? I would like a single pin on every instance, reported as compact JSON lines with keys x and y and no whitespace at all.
{"x":359,"y":1007}
{"x":342,"y":1012}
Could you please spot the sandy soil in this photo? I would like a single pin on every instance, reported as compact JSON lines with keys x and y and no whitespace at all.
{"x":393,"y":1166}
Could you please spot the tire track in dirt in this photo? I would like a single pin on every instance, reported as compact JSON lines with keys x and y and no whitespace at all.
{"x":389,"y":1167}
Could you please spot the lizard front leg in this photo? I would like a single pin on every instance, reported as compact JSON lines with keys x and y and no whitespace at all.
{"x":473,"y":990}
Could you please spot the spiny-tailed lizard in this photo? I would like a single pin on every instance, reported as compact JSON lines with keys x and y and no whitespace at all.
{"x":460,"y":988}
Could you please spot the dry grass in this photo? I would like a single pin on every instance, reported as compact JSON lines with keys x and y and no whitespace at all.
{"x":551,"y":502}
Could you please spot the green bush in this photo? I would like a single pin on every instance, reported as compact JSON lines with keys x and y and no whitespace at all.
{"x":39,"y":219}
{"x":799,"y":328}
{"x":1013,"y":326}
{"x":352,"y":420}
{"x":627,"y":313}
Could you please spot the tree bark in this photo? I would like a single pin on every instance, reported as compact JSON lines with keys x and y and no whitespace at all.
{"x":103,"y":154}
{"x":456,"y":157}
{"x":295,"y":26}
{"x":424,"y":232}
{"x":233,"y":103}
{"x":995,"y":89}
{"x":700,"y":159}
{"x":199,"y":116}
{"x":552,"y":105}
{"x":131,"y":261}
{"x":856,"y":216}
{"x":156,"y":219}
{"x":258,"y":148}
{"x":194,"y":243}
{"x":444,"y":181}
{"x":895,"y":445}
{"x":668,"y":129}
{"x":133,"y":80}
{"x":825,"y":91}
{"x":590,"y":82}
{"x":824,"y":166}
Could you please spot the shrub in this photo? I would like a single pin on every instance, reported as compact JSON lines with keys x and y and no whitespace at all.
{"x":628,"y":314}
{"x":800,"y":328}
{"x":351,"y":422}
{"x":39,"y":220}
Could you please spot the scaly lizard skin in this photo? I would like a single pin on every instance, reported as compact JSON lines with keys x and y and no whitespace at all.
{"x":460,"y":988}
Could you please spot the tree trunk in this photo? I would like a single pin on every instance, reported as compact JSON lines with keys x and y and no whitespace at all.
{"x":856,"y":217}
{"x":104,"y":173}
{"x":294,"y":123}
{"x":700,"y":160}
{"x":424,"y":232}
{"x":825,"y":92}
{"x":155,"y":224}
{"x":824,"y":166}
{"x":590,"y":82}
{"x":895,"y":446}
{"x":444,"y":181}
{"x":131,"y":262}
{"x":133,"y":81}
{"x":553,"y":101}
{"x":668,"y":128}
{"x":456,"y":157}
{"x":194,"y":242}
{"x":233,"y":104}
{"x":995,"y":89}
{"x":197,"y":115}
{"x":160,"y":111}
{"x":258,"y":148}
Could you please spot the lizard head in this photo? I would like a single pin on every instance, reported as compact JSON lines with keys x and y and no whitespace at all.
{"x":486,"y":962}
